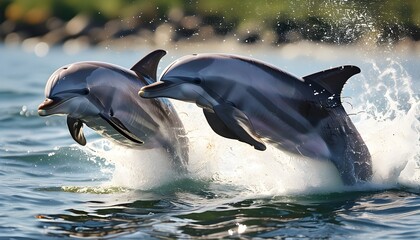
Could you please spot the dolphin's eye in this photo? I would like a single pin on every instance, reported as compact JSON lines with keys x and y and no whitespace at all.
{"x":197,"y":81}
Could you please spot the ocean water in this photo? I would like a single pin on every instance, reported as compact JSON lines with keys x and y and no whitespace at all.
{"x":51,"y":187}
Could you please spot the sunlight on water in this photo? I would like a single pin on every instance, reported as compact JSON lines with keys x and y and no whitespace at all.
{"x":94,"y":190}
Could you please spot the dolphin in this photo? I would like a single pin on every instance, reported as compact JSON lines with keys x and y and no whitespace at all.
{"x":104,"y":97}
{"x":256,"y":103}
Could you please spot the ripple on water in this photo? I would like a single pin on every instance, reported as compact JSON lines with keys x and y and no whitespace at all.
{"x":308,"y":216}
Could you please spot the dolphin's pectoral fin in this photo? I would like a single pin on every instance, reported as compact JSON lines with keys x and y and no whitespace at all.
{"x":238,"y":123}
{"x":333,"y":79}
{"x":119,"y":126}
{"x":218,"y":125}
{"x":148,"y":65}
{"x":76,"y":130}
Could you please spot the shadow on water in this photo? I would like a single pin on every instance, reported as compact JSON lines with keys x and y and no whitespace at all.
{"x":312,"y":216}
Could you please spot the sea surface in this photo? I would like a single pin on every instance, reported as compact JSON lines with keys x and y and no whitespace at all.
{"x":50,"y":187}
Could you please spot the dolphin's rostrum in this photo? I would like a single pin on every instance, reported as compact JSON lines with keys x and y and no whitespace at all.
{"x":104,"y":97}
{"x":254,"y":102}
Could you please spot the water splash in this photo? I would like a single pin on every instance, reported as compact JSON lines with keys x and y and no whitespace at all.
{"x":391,"y":123}
{"x":135,"y":169}
{"x":388,"y":121}
{"x":388,"y":90}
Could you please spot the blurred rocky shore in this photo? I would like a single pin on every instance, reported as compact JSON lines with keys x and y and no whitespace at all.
{"x":161,"y":23}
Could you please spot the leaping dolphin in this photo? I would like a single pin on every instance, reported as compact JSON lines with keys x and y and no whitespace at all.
{"x":104,"y":97}
{"x":254,"y":102}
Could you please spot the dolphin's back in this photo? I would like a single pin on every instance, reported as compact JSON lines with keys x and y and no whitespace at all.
{"x":226,"y":73}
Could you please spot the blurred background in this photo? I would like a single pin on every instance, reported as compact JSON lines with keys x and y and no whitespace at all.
{"x":76,"y":24}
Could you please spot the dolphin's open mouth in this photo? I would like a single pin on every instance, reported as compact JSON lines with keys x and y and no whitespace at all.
{"x":155,"y":89}
{"x":49,"y":104}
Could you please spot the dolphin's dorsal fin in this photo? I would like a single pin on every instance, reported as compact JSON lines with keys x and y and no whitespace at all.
{"x":76,"y":130}
{"x":333,"y":79}
{"x":148,"y":65}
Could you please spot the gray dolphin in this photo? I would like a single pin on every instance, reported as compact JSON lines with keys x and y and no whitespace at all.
{"x":254,"y":102}
{"x":104,"y":97}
